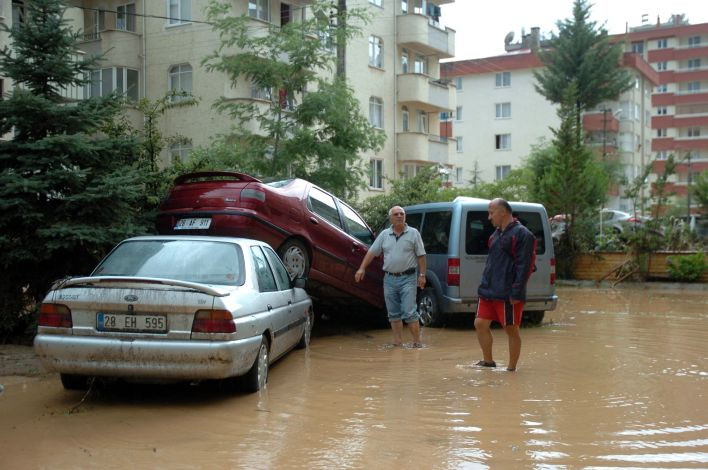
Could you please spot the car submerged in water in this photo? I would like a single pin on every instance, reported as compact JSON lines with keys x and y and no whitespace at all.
{"x":317,"y":235}
{"x":174,"y":308}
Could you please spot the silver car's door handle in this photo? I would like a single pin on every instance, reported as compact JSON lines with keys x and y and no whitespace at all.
{"x":270,"y":307}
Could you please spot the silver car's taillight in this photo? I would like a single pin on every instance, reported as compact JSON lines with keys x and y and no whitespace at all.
{"x":213,"y":321}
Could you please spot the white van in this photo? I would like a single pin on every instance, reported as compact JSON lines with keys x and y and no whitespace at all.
{"x":455,"y":235}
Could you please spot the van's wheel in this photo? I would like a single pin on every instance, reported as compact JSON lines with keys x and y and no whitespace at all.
{"x":74,"y":382}
{"x":428,"y":308}
{"x":307,"y":332}
{"x":257,"y":376}
{"x":295,"y":258}
{"x":533,"y":318}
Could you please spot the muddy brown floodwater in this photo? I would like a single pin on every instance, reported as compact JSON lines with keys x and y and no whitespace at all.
{"x":612,"y":379}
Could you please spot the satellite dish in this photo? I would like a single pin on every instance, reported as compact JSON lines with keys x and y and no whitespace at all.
{"x":509,"y":37}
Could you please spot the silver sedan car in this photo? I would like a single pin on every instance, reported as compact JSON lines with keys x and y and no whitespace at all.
{"x":175,"y":308}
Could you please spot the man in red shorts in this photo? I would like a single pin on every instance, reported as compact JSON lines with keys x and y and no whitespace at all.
{"x":502,"y":292}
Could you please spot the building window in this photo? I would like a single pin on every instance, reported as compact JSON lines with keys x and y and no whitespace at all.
{"x":662,"y":111}
{"x":378,"y":3}
{"x":405,"y":120}
{"x":459,"y":172}
{"x":693,"y":87}
{"x":459,"y":146}
{"x":125,"y":17}
{"x":180,"y":80}
{"x":638,"y":47}
{"x":376,"y":173}
{"x":661,"y":66}
{"x":663,"y":155}
{"x":18,"y":14}
{"x":179,"y":11}
{"x":375,"y":52}
{"x":694,"y":63}
{"x":661,"y":132}
{"x":179,"y":152}
{"x":694,"y":41}
{"x":458,"y":113}
{"x":261,"y":93}
{"x":694,"y":131}
{"x":404,"y":60}
{"x":458,"y":83}
{"x":502,"y":79}
{"x":404,"y":6}
{"x":502,"y":141}
{"x":121,"y":80}
{"x":503,"y":110}
{"x":662,"y":43}
{"x":663,"y":88}
{"x":376,"y":112}
{"x":502,"y":171}
{"x":259,"y":9}
{"x":421,"y":121}
{"x":420,"y":65}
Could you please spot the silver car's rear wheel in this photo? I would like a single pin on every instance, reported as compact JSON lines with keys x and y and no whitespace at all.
{"x":256,"y":378}
{"x":295,"y":258}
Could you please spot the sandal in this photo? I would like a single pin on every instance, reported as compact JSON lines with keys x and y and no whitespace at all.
{"x":484,"y":363}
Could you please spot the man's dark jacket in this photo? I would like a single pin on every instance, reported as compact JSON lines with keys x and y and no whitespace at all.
{"x":512,"y":255}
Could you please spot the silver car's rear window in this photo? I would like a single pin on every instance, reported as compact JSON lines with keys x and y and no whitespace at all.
{"x":199,"y":261}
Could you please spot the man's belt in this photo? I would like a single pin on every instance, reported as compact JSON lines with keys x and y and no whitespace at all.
{"x":402,"y":273}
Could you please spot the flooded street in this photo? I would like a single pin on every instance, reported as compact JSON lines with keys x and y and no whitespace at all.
{"x":612,"y":379}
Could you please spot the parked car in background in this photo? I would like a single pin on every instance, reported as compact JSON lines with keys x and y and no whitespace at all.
{"x":175,"y":308}
{"x":317,"y":235}
{"x":618,"y":221}
{"x":456,"y":236}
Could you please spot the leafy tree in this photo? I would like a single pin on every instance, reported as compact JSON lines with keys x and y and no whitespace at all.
{"x":423,"y":187}
{"x":67,"y":193}
{"x":700,"y":190}
{"x":318,"y":139}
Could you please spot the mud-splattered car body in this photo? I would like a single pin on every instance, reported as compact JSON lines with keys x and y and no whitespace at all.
{"x":175,"y":308}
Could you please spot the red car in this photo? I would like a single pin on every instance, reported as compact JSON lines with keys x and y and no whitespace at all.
{"x":317,"y":235}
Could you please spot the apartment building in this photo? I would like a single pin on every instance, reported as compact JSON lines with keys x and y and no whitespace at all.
{"x":679,"y":103}
{"x":500,"y":116}
{"x":151,"y":47}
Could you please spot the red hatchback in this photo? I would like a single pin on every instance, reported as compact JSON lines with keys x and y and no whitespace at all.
{"x":317,"y":235}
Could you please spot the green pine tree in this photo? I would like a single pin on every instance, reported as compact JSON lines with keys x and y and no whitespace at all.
{"x":67,"y":191}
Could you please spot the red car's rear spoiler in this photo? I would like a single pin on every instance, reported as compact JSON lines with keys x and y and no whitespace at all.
{"x":200,"y":175}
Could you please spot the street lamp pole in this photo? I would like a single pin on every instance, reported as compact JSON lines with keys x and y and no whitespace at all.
{"x":688,"y":190}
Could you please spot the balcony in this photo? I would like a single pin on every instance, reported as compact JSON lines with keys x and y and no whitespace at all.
{"x":417,"y":32}
{"x":424,"y":148}
{"x":606,"y":122}
{"x":680,"y":98}
{"x":425,"y":93}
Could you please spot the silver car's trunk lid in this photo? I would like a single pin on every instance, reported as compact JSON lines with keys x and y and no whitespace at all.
{"x":131,"y":308}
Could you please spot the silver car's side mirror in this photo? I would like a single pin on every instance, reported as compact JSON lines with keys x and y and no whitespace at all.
{"x":299,"y":282}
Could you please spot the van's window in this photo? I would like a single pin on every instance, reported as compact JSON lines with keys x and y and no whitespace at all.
{"x":414,"y":220}
{"x":478,"y":229}
{"x":436,"y":231}
{"x":533,"y":222}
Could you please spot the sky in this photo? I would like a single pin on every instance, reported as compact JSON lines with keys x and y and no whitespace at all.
{"x":481,"y":25}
